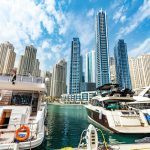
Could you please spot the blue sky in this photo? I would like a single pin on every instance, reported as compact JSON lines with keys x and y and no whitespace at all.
{"x":50,"y":26}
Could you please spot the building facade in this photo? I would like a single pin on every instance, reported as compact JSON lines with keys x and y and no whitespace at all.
{"x":88,"y":86}
{"x":7,"y":58}
{"x":122,"y":65}
{"x":36,"y":70}
{"x":90,"y":67}
{"x":102,"y":56}
{"x":29,"y":65}
{"x":58,"y":80}
{"x":112,"y":69}
{"x":75,"y":67}
{"x":83,"y":97}
{"x":140,"y":71}
{"x":48,"y":80}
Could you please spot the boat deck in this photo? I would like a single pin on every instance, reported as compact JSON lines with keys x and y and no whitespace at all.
{"x":7,"y":137}
{"x":134,"y":129}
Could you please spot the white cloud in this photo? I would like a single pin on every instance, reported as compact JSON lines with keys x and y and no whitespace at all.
{"x":45,"y":44}
{"x":142,"y":48}
{"x":57,"y":48}
{"x":142,"y":13}
{"x":119,"y":15}
{"x":22,"y":22}
{"x":90,"y":13}
{"x":123,"y":18}
{"x":59,"y":16}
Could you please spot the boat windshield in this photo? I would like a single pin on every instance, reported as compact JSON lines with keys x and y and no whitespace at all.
{"x":147,"y":94}
{"x":8,"y":97}
{"x":115,"y":106}
{"x":138,"y":91}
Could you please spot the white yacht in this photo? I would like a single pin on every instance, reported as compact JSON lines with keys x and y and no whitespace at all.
{"x":22,"y":112}
{"x":142,"y":97}
{"x":110,"y":111}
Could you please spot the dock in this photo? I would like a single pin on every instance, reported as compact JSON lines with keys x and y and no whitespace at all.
{"x":135,"y":146}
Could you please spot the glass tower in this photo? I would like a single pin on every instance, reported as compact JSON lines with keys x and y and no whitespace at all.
{"x":122,"y":65}
{"x":102,"y":58}
{"x":90,"y":67}
{"x":75,"y":67}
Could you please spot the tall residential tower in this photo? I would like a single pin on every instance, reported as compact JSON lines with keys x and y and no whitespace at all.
{"x":122,"y":65}
{"x":90,"y":67}
{"x":7,"y":58}
{"x":75,"y":67}
{"x":140,"y":71}
{"x":102,"y":56}
{"x":28,"y":62}
{"x":58,"y":79}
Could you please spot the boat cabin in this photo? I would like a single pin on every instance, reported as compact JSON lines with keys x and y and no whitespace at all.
{"x":111,"y":103}
{"x":19,"y":101}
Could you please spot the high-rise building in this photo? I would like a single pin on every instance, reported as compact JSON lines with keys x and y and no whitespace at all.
{"x":36,"y":70}
{"x":7,"y":58}
{"x":140,"y":71}
{"x":112,"y":69}
{"x":48,"y":80}
{"x":102,"y":56}
{"x":122,"y":65}
{"x":75,"y":67}
{"x":90,"y":67}
{"x":58,"y":80}
{"x":28,"y":62}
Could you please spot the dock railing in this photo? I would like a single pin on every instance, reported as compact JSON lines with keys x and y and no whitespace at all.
{"x":22,"y":79}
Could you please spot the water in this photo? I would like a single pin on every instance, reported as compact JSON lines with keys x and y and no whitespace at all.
{"x":65,"y":125}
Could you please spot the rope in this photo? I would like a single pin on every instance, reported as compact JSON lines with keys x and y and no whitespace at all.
{"x":105,"y":143}
{"x":81,"y":138}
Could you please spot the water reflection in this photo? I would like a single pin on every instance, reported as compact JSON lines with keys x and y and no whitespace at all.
{"x":65,"y":125}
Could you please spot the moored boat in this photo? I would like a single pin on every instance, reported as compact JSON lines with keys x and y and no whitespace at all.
{"x":22,"y":112}
{"x":110,"y":111}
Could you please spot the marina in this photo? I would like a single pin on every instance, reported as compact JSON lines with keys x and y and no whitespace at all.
{"x":75,"y":75}
{"x":65,"y":128}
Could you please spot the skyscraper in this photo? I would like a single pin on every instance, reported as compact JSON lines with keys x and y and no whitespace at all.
{"x":75,"y":67}
{"x":122,"y":65}
{"x":140,"y":71}
{"x":112,"y":69}
{"x":58,"y":80}
{"x":102,"y":62}
{"x":28,"y":62}
{"x":90,"y":67}
{"x":36,"y":70}
{"x":7,"y":58}
{"x":48,"y":76}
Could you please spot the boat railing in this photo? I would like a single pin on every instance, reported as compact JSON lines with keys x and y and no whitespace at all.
{"x":34,"y":129}
{"x":23,"y":79}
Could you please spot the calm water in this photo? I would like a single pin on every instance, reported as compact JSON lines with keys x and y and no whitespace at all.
{"x":65,"y":125}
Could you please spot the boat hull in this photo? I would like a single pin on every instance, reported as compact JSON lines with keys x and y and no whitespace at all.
{"x":100,"y":120}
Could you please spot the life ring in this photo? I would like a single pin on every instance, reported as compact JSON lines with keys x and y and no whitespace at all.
{"x":21,"y":129}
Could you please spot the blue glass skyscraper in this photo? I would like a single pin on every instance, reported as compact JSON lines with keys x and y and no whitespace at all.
{"x":122,"y":65}
{"x":102,"y":58}
{"x":75,"y":67}
{"x":90,"y":67}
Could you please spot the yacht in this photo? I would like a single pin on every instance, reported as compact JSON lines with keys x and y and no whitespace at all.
{"x":142,"y":97}
{"x":110,"y":111}
{"x":142,"y":101}
{"x":22,"y":112}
